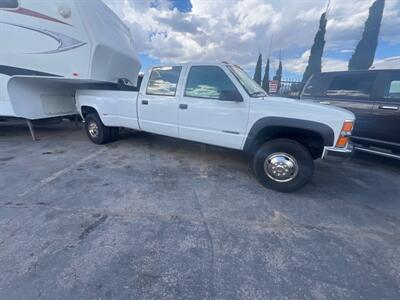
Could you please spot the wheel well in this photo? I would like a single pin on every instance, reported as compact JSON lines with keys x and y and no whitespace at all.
{"x":87,"y":110}
{"x":310,"y":139}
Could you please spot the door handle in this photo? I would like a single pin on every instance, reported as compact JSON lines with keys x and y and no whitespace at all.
{"x":145,"y":102}
{"x":183,"y":106}
{"x":388,"y":107}
{"x":325,"y":102}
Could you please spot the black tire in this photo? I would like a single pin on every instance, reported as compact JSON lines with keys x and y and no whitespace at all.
{"x":279,"y":172}
{"x":114,"y":133}
{"x":92,"y":124}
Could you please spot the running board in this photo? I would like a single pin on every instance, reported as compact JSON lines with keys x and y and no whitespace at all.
{"x":389,"y":155}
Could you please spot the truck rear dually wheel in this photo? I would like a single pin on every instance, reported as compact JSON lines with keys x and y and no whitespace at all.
{"x":95,"y":129}
{"x":283,"y":165}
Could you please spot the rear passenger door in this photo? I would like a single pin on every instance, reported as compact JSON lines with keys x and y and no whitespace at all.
{"x":158,"y":103}
{"x":353,"y":91}
{"x":386,"y":112}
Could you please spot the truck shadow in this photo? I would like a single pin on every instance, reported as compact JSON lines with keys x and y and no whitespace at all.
{"x":17,"y":128}
{"x":370,"y":160}
{"x":364,"y":176}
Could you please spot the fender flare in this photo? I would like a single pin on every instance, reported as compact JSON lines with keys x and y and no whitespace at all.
{"x":326,"y":132}
{"x":90,"y":106}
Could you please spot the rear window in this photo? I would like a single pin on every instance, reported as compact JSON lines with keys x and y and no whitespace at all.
{"x":8,"y":3}
{"x":163,"y":81}
{"x":352,"y":85}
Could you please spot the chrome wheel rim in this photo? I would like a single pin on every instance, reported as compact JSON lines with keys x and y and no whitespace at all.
{"x":93,"y":129}
{"x":281,"y":167}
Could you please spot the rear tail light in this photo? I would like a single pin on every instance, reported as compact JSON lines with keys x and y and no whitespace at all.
{"x":345,"y":134}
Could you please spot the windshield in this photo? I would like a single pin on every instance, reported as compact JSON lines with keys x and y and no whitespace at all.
{"x":251,"y":87}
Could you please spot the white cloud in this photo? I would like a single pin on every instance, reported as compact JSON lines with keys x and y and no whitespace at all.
{"x":298,"y":65}
{"x":237,"y":30}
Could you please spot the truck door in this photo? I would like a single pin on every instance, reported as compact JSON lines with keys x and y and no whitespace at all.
{"x":353,"y":91}
{"x":386,"y":112}
{"x":158,"y":101}
{"x":211,"y":109}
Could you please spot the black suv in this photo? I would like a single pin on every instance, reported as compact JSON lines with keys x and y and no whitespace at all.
{"x":373,"y":96}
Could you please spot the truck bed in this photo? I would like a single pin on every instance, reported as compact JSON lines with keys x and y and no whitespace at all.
{"x":116,"y":108}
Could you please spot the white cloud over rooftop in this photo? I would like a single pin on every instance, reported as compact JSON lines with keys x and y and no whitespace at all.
{"x":235,"y":30}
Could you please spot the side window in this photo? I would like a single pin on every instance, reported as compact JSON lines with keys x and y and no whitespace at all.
{"x":317,"y":85}
{"x":210,"y":82}
{"x":163,"y":81}
{"x":352,"y":85}
{"x":393,"y":88}
{"x":8,"y":3}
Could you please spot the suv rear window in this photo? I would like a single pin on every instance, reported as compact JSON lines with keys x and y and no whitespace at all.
{"x":8,"y":3}
{"x":352,"y":85}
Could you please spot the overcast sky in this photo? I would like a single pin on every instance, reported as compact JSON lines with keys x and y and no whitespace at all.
{"x":170,"y":31}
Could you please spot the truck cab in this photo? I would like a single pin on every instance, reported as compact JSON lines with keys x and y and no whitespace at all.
{"x":219,"y":104}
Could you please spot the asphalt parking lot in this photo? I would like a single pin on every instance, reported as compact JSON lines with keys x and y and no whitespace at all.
{"x":150,"y":217}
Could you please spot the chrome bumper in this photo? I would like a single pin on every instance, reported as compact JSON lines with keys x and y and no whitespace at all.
{"x":339,"y":152}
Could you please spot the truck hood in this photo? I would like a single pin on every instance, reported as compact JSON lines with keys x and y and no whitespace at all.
{"x":308,"y":108}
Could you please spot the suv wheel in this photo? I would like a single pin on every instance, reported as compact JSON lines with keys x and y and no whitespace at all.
{"x":95,"y":129}
{"x":283,"y":165}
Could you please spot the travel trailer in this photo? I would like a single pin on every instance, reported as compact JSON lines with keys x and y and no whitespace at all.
{"x":50,"y":49}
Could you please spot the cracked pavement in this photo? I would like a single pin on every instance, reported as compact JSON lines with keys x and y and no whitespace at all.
{"x":149,"y":217}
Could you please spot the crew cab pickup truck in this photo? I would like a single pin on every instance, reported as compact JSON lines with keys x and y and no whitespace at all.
{"x":219,"y":104}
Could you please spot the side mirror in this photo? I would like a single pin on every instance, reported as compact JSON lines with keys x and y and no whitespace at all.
{"x":230,"y":95}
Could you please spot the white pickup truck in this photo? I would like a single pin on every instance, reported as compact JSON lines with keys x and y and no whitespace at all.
{"x":219,"y":104}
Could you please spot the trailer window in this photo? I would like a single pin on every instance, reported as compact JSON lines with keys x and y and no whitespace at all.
{"x":163,"y":81}
{"x":8,"y":3}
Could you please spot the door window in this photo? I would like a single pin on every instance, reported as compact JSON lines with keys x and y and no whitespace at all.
{"x":8,"y":3}
{"x":393,"y":88}
{"x":210,"y":82}
{"x":352,"y":85}
{"x":163,"y":81}
{"x":317,"y":85}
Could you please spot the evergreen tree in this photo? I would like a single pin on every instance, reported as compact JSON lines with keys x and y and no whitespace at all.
{"x":278,"y":76}
{"x":317,"y":50}
{"x":265,"y":82}
{"x":257,"y":73}
{"x":364,"y":55}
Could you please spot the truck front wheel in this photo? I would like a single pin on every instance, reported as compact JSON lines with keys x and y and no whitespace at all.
{"x":283,"y":165}
{"x":95,"y":129}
